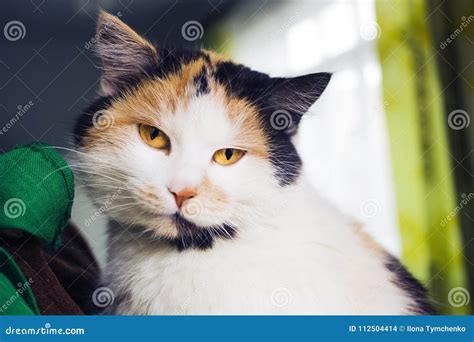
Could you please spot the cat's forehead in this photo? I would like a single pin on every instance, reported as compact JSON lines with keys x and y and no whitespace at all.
{"x":192,"y":104}
{"x":204,"y":117}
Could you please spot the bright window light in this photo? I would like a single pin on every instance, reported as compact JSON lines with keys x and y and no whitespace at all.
{"x":315,"y":39}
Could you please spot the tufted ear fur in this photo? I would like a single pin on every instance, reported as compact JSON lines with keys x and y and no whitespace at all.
{"x":296,"y":95}
{"x":126,"y":56}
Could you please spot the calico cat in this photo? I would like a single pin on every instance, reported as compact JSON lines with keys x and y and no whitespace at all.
{"x":210,"y":212}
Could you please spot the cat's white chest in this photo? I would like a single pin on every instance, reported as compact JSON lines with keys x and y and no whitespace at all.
{"x":283,"y":273}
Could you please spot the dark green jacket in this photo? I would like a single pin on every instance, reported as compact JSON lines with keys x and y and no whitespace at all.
{"x":36,"y":196}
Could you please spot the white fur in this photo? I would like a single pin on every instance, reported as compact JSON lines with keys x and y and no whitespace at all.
{"x":306,"y":260}
{"x":293,"y":253}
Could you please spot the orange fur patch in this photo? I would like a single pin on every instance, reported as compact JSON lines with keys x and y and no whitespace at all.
{"x":211,"y":191}
{"x":154,"y":98}
{"x":367,"y":239}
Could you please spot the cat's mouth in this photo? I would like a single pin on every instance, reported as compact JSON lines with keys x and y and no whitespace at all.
{"x":183,"y":225}
{"x":190,"y":235}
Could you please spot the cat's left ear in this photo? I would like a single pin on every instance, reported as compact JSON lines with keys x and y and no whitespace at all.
{"x":296,"y":95}
{"x":125,"y":55}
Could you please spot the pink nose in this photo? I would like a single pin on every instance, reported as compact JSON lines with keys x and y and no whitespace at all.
{"x":183,"y":195}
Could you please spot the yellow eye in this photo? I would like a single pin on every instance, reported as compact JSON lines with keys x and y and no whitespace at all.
{"x":228,"y":156}
{"x":154,"y":137}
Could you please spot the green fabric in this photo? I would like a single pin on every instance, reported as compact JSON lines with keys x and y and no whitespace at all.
{"x":432,"y":246}
{"x":36,"y":193}
{"x":457,"y":81}
{"x":16,"y":297}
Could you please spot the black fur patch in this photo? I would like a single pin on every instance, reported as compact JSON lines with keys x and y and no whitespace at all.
{"x":284,"y":157}
{"x":86,"y":119}
{"x":276,"y":99}
{"x":411,"y":286}
{"x":189,"y":235}
{"x":242,"y":82}
{"x":288,"y":98}
{"x":171,"y":61}
{"x":192,"y":236}
{"x":201,"y":83}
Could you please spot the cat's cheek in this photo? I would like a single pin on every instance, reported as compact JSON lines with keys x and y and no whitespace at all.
{"x":148,"y":165}
{"x":208,"y":217}
{"x":245,"y":184}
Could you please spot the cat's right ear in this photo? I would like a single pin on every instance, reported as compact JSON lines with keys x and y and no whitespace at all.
{"x":125,"y":55}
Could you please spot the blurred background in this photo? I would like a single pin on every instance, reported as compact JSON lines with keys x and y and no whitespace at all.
{"x":390,"y":143}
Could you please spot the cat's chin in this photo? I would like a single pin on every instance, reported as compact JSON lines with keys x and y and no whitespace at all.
{"x":190,"y":235}
{"x":178,"y":231}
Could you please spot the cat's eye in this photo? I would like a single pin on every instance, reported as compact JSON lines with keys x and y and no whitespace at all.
{"x":228,"y":156}
{"x":154,"y":137}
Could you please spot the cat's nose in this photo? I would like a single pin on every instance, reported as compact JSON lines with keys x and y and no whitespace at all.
{"x":183,"y":195}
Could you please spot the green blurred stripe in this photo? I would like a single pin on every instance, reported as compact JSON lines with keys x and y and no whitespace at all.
{"x":432,"y":246}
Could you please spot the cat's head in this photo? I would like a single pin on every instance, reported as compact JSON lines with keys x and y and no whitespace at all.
{"x":187,"y":144}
